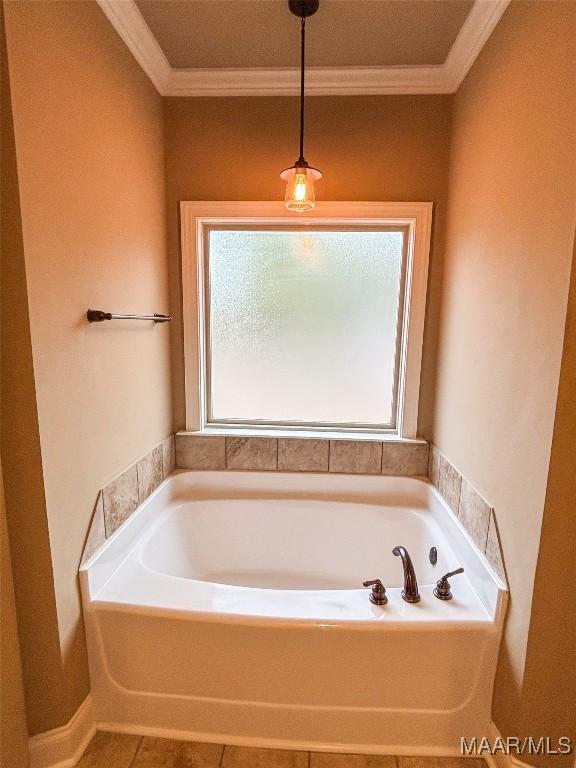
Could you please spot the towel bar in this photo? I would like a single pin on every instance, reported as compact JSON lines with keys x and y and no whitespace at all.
{"x":97,"y":316}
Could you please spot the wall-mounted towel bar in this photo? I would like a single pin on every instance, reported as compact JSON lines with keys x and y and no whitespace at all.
{"x":97,"y":316}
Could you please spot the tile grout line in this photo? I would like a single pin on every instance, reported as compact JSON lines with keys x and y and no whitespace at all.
{"x":136,"y":752}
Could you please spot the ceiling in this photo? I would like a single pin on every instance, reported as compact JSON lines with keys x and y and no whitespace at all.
{"x":251,"y":47}
{"x":344,"y":33}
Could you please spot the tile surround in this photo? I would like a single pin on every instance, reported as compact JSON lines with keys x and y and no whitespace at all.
{"x":168,"y":456}
{"x":363,"y":457}
{"x":122,"y":495}
{"x":295,"y":454}
{"x":252,"y":453}
{"x":298,"y":455}
{"x":449,"y":482}
{"x":404,"y":458}
{"x":199,"y":452}
{"x":150,"y":473}
{"x":97,"y":532}
{"x":120,"y":499}
{"x":494,"y":548}
{"x":434,"y":465}
{"x":474,"y":512}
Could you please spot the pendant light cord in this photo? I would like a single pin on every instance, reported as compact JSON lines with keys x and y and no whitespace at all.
{"x":302,"y":69}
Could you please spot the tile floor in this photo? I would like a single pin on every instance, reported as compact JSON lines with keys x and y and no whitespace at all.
{"x":116,"y":750}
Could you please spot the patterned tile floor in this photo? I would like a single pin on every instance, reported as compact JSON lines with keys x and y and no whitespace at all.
{"x":115,"y":750}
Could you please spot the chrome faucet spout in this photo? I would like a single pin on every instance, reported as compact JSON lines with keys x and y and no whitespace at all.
{"x":410,"y":592}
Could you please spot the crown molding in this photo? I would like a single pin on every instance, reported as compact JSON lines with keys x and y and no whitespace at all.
{"x":319,"y":81}
{"x":127,"y":20}
{"x":483,"y":17}
{"x":329,"y":81}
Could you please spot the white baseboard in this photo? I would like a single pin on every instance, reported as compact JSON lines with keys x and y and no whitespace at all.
{"x":63,"y":747}
{"x":501,"y":760}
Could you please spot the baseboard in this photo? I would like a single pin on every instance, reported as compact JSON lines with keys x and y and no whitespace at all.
{"x":499,"y":759}
{"x":63,"y":747}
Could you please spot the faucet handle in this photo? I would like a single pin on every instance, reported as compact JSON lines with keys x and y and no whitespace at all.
{"x":378,"y":593}
{"x":442,"y":589}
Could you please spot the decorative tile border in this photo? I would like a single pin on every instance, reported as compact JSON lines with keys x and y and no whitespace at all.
{"x":120,"y":498}
{"x":297,"y":454}
{"x":475,"y":514}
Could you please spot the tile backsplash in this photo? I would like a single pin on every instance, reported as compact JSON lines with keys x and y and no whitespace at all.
{"x":295,"y":454}
{"x":475,"y":514}
{"x":122,"y":495}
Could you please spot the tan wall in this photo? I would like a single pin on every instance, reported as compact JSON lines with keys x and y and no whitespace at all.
{"x":13,"y":731}
{"x":369,"y":148}
{"x":550,"y":674}
{"x":507,"y":267}
{"x":21,"y":459}
{"x":89,"y":148}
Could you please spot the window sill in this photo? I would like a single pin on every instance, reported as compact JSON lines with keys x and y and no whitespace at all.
{"x":304,"y":434}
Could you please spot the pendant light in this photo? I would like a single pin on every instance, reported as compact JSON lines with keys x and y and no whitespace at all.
{"x":300,"y":177}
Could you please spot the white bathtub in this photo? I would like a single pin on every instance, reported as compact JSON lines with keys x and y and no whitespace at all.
{"x":230,"y":608}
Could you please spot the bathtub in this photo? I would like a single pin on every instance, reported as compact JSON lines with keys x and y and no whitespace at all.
{"x":230,"y":608}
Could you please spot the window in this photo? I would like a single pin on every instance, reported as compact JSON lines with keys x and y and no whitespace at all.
{"x":311,"y":322}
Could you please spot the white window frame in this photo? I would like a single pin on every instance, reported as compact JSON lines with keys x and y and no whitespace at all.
{"x":197,"y":216}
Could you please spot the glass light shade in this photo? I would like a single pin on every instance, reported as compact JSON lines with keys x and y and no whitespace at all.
{"x":300,"y":187}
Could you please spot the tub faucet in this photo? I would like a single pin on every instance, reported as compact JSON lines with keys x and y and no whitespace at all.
{"x":410,"y":592}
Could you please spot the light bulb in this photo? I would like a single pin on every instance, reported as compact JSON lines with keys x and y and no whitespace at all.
{"x":300,"y":187}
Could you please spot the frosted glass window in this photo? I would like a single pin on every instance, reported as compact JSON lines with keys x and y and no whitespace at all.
{"x":302,"y":327}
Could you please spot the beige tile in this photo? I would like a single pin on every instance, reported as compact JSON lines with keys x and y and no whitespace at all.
{"x":303,"y":455}
{"x":404,"y":458}
{"x":441,"y":762}
{"x":165,"y":753}
{"x":356,"y":456}
{"x":168,"y":456}
{"x":494,"y":548}
{"x":449,"y":480}
{"x":474,"y":513}
{"x":97,"y":531}
{"x":242,"y":757}
{"x":120,"y":499}
{"x":110,"y":750}
{"x":200,"y":452}
{"x":328,"y":760}
{"x":434,"y":465}
{"x":251,"y":453}
{"x":149,"y":473}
